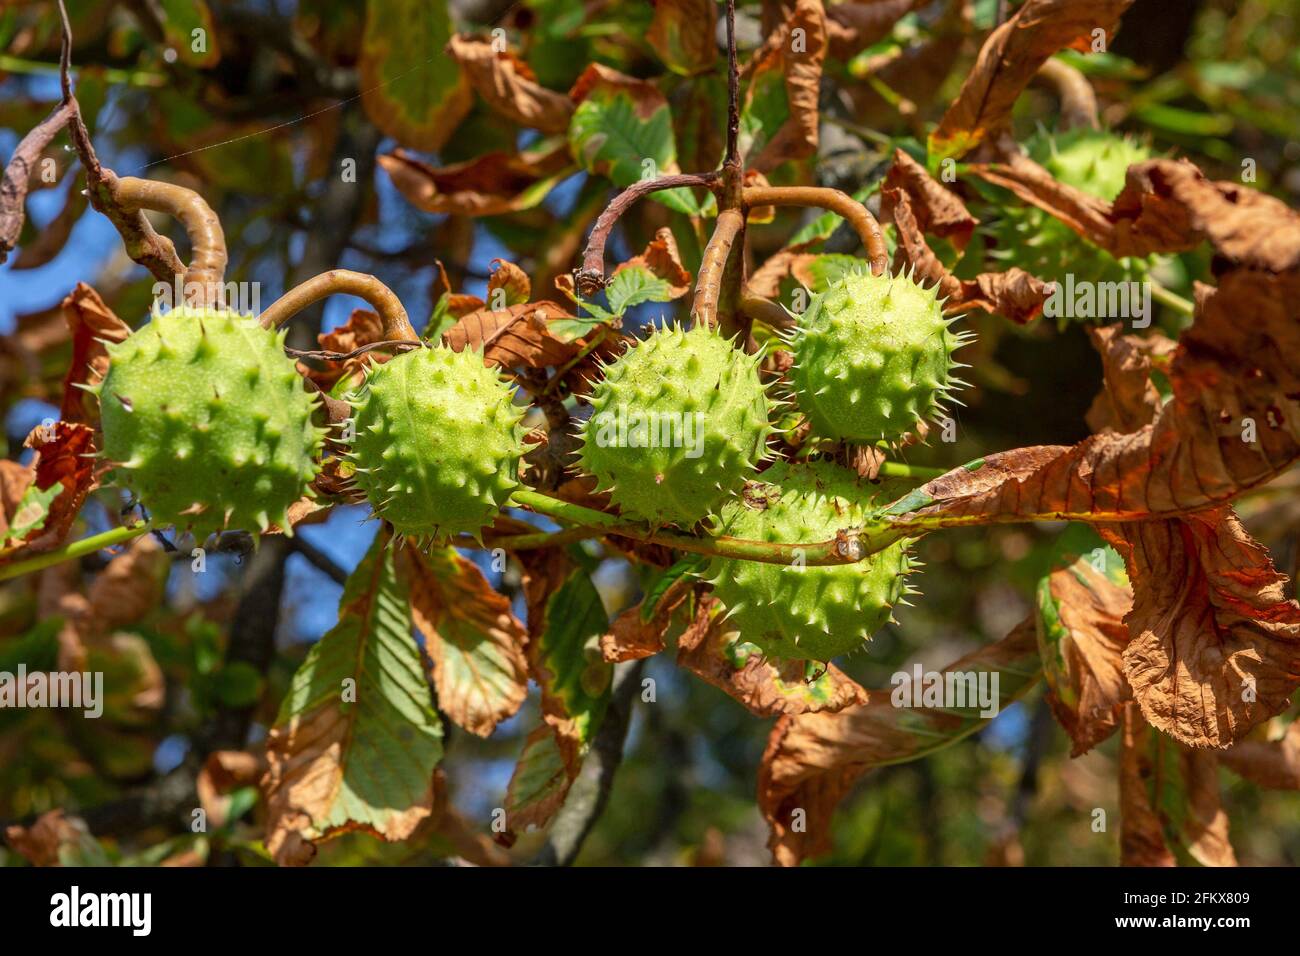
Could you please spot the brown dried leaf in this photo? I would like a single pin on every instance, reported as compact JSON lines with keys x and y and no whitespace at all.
{"x":517,"y":337}
{"x":1081,"y":636}
{"x":89,"y":321}
{"x":813,"y":760}
{"x":18,"y":176}
{"x":1128,"y":400}
{"x":53,"y":832}
{"x":1166,"y":206}
{"x":64,"y":456}
{"x":132,"y":585}
{"x":487,"y":185}
{"x":509,"y":86}
{"x":1015,"y":294}
{"x":475,"y":643}
{"x":937,"y":210}
{"x":722,"y":658}
{"x":1009,"y":59}
{"x":362,"y":328}
{"x":1169,"y":801}
{"x":647,"y":99}
{"x":801,"y":66}
{"x":1274,"y":764}
{"x":631,"y":639}
{"x":222,"y":772}
{"x":511,"y":279}
{"x":1215,"y":644}
{"x":1231,"y":382}
{"x":662,"y":260}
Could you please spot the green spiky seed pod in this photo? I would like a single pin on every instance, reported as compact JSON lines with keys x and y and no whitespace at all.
{"x":872,"y":357}
{"x":438,"y":442}
{"x":677,"y":422}
{"x":208,"y":421}
{"x":815,"y":612}
{"x":1094,"y":161}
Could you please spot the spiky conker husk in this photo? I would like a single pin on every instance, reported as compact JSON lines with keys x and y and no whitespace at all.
{"x":872,"y":357}
{"x":671,"y":382}
{"x":814,"y":612}
{"x":438,"y":442}
{"x":208,"y":421}
{"x":1095,"y":161}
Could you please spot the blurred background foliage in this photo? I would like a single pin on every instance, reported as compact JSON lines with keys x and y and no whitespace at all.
{"x":261,"y":122}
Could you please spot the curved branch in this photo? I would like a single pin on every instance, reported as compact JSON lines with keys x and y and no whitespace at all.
{"x":207,"y":268}
{"x":392,"y":315}
{"x":1078,"y":99}
{"x":832,"y":200}
{"x":708,"y":285}
{"x":764,"y":310}
{"x":590,"y":279}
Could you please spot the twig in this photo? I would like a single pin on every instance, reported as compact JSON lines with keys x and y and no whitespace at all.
{"x":1077,"y":97}
{"x":1171,"y":299}
{"x":589,"y":794}
{"x":156,"y":253}
{"x":832,"y":200}
{"x":848,"y":546}
{"x":206,"y":273}
{"x":590,"y":279}
{"x":18,"y":175}
{"x":320,"y":560}
{"x":766,"y":311}
{"x":732,"y":157}
{"x":404,"y":345}
{"x":708,"y":285}
{"x":69,"y":552}
{"x":392,"y":315}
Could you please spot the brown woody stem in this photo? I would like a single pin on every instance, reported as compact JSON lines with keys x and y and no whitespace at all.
{"x":713,"y":267}
{"x":591,"y":277}
{"x":207,"y":268}
{"x":766,"y":311}
{"x":732,"y":157}
{"x":392,"y":316}
{"x":156,"y":253}
{"x":832,"y":200}
{"x":1078,"y":99}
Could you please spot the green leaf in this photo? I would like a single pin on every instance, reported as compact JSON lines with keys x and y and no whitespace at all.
{"x":357,"y":739}
{"x":568,"y":664}
{"x":33,"y":509}
{"x":766,"y":110}
{"x":635,"y":285}
{"x":411,"y":89}
{"x":609,"y":138}
{"x":689,"y":565}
